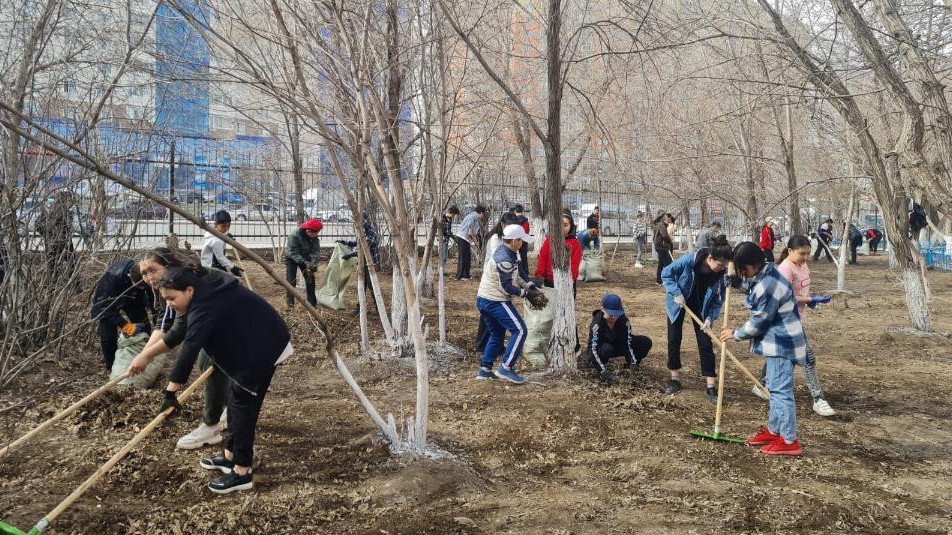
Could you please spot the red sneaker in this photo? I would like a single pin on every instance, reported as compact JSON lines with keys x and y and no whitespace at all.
{"x":781,"y":447}
{"x":763,"y":437}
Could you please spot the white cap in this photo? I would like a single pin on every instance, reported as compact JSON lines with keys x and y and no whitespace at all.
{"x":514,"y":232}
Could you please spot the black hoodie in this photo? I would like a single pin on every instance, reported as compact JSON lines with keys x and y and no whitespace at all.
{"x":242,"y":334}
{"x":116,"y":292}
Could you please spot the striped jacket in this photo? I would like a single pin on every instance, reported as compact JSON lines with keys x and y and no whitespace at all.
{"x":774,"y":328}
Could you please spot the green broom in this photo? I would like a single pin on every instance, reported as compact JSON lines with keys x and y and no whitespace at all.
{"x":717,"y":435}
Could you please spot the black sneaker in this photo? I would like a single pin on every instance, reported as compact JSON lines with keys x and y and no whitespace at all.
{"x":674,"y":386}
{"x":607,"y":378}
{"x":711,"y":394}
{"x":231,"y":482}
{"x":218,"y":462}
{"x":632,"y":366}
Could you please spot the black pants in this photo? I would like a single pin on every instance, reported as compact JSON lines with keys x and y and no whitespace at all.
{"x":704,"y":346}
{"x":664,"y":259}
{"x":769,"y":256}
{"x":309,"y":286}
{"x":243,"y":410}
{"x":523,"y":256}
{"x":854,"y":244}
{"x":109,"y":335}
{"x":641,"y":345}
{"x":482,"y":336}
{"x":465,"y":257}
{"x":873,"y":245}
{"x":822,"y":247}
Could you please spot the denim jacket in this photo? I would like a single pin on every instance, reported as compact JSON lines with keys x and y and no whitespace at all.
{"x":678,"y":279}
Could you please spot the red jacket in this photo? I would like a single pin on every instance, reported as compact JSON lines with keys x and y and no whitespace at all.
{"x":544,"y":267}
{"x":525,"y":223}
{"x":767,"y":238}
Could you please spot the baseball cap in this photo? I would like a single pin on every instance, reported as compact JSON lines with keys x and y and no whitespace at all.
{"x":611,"y":304}
{"x":514,"y":232}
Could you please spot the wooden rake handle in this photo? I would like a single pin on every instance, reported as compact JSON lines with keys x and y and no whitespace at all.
{"x":244,"y":274}
{"x":730,"y":355}
{"x":104,"y":469}
{"x":59,"y":416}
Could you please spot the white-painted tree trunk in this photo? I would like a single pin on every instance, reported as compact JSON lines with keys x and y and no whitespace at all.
{"x":916,"y":301}
{"x":362,"y":307}
{"x":562,"y":343}
{"x":398,"y":304}
{"x":845,"y":240}
{"x":537,"y":225}
{"x":441,"y":301}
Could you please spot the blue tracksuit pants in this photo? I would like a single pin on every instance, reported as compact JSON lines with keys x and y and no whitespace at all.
{"x":501,"y":316}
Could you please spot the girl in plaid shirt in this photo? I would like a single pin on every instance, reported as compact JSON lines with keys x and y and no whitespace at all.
{"x":775,"y":332}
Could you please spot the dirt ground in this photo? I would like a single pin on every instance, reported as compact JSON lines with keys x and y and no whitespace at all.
{"x":556,"y":456}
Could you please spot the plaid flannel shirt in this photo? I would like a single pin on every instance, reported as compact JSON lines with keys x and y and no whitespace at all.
{"x":774,"y":328}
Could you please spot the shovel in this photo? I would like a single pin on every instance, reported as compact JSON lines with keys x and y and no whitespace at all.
{"x":716,"y":434}
{"x":65,"y":412}
{"x":7,"y":529}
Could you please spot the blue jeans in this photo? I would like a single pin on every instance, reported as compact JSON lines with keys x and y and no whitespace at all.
{"x":445,"y":250}
{"x":782,"y":416}
{"x":809,"y":373}
{"x":501,"y":316}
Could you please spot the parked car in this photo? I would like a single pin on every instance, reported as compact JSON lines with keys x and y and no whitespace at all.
{"x":341,"y":215}
{"x":259,"y":212}
{"x":138,"y":209}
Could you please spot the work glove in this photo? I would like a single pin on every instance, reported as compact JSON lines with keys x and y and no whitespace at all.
{"x":349,"y":256}
{"x":734,"y":281}
{"x":537,"y":300}
{"x":679,"y":299}
{"x":169,"y":400}
{"x":350,"y":244}
{"x":707,"y":323}
{"x":132,"y":329}
{"x":818,"y":300}
{"x":237,"y":271}
{"x":310,"y":266}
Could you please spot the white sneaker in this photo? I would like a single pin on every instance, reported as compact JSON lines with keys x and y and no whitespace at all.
{"x":639,"y":265}
{"x":759,"y":393}
{"x":203,"y":435}
{"x":223,"y":421}
{"x":823,"y":408}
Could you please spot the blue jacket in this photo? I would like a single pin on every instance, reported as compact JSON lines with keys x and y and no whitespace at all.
{"x":678,"y":279}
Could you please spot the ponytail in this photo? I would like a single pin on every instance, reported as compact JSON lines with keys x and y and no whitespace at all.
{"x":795,"y":242}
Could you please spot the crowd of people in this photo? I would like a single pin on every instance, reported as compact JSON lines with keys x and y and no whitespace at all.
{"x":777,"y":293}
{"x":219,"y":323}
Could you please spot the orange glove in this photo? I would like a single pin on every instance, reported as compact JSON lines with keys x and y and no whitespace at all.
{"x":129,"y":329}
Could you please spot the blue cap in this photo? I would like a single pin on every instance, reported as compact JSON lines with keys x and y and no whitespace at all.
{"x":611,"y":304}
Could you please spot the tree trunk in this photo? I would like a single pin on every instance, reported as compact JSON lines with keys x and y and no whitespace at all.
{"x":894,"y":215}
{"x":561,"y":349}
{"x":845,"y":237}
{"x":297,"y":167}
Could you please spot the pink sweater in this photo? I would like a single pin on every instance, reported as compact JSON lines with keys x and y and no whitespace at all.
{"x":799,"y":277}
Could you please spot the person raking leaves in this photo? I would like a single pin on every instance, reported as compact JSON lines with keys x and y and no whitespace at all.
{"x":245,"y":338}
{"x":776,"y":333}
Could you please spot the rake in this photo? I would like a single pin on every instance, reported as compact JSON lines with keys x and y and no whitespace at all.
{"x":59,"y":416}
{"x":7,"y":529}
{"x":716,"y":434}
